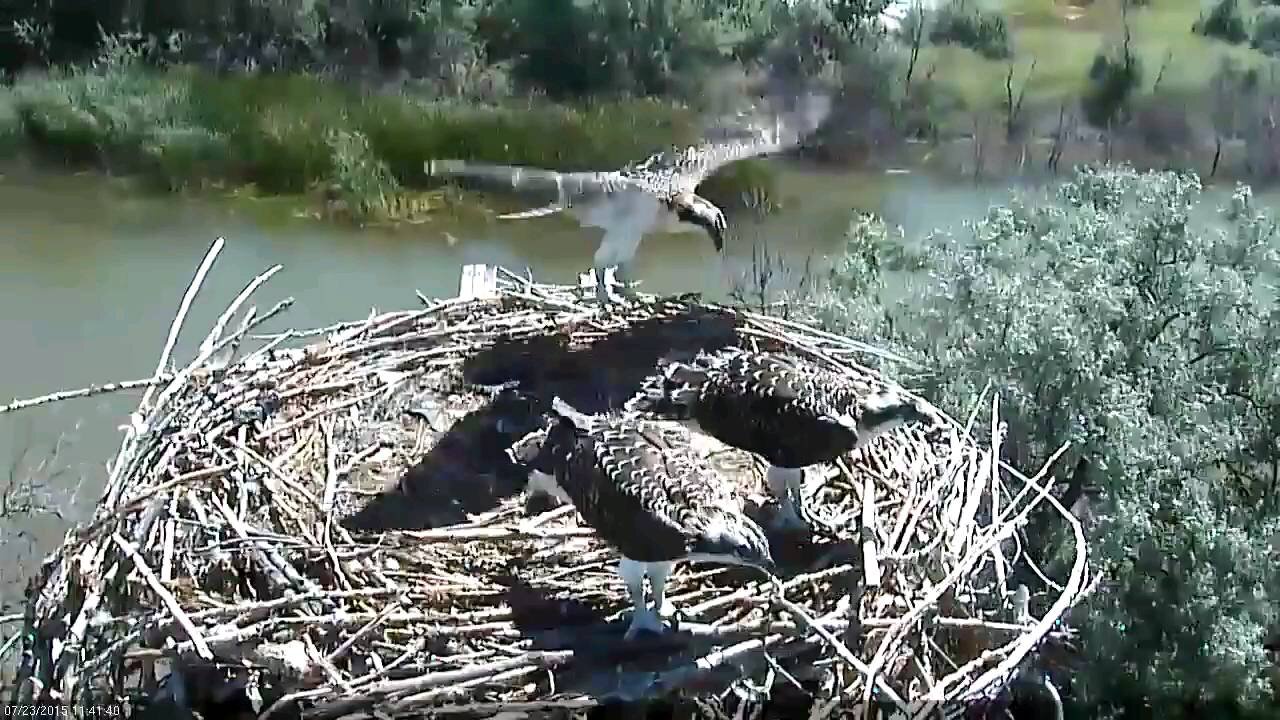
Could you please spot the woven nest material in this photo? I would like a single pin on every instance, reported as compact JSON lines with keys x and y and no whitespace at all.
{"x":336,"y":530}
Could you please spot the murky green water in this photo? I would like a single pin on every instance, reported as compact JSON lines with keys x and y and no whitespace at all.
{"x":91,"y":273}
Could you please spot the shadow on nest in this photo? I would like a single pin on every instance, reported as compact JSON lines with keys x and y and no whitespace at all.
{"x":467,"y":470}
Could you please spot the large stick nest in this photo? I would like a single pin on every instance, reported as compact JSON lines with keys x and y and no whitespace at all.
{"x":337,"y":529}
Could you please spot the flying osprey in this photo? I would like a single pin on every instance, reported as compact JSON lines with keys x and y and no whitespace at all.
{"x":790,"y":412}
{"x":656,"y":195}
{"x":640,"y":485}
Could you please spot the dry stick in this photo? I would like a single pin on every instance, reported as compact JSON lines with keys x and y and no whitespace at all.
{"x":207,"y":347}
{"x":410,"y":686}
{"x":1029,"y":640}
{"x":140,"y":501}
{"x":1006,"y":525}
{"x":445,"y":535}
{"x":83,"y":392}
{"x":176,"y":326}
{"x":870,"y":563}
{"x":355,"y":637}
{"x":171,"y":602}
{"x":135,"y":428}
{"x":870,"y":678}
{"x":996,"y":553}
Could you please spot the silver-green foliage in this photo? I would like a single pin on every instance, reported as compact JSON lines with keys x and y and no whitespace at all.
{"x":1120,"y":315}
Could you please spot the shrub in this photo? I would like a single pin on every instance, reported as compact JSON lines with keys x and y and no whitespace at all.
{"x":1266,"y":31}
{"x":1224,"y":22}
{"x":1106,"y":317}
{"x":986,"y":33}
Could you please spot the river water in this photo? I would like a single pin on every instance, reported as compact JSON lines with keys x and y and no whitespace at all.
{"x":91,"y":272}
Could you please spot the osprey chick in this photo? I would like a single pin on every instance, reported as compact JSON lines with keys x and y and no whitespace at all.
{"x":790,"y":412}
{"x":647,"y":493}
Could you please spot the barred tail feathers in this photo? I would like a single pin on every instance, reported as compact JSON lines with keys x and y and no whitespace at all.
{"x":670,"y":393}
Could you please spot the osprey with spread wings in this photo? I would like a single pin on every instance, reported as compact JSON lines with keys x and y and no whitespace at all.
{"x":656,"y":195}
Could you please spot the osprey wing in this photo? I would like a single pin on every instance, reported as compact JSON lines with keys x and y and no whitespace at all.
{"x":638,"y":486}
{"x":790,"y":385}
{"x":569,"y":187}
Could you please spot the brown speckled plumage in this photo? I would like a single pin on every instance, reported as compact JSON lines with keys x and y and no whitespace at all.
{"x":791,"y":412}
{"x":645,"y":490}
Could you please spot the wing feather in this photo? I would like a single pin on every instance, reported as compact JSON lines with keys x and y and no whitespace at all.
{"x":642,"y":486}
{"x":792,"y":412}
{"x":569,"y":187}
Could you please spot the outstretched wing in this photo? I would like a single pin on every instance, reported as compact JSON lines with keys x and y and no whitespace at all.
{"x":695,"y":164}
{"x":570,"y":188}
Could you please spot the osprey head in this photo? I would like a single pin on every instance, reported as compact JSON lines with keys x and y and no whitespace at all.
{"x":699,"y":211}
{"x":886,"y":409}
{"x":735,"y":539}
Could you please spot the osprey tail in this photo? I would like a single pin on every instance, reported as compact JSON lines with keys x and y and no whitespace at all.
{"x":671,"y":393}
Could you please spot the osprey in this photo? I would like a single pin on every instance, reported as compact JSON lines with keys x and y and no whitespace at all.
{"x":647,"y":493}
{"x":656,"y":195}
{"x":790,"y":412}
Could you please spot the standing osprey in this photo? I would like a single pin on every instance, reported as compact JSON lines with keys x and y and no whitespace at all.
{"x":638,"y":483}
{"x":790,"y":412}
{"x":657,"y":195}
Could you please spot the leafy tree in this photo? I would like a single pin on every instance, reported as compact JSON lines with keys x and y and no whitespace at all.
{"x":1266,"y":31}
{"x":1108,"y":317}
{"x":1224,"y":22}
{"x":983,"y":31}
{"x":1113,"y":78}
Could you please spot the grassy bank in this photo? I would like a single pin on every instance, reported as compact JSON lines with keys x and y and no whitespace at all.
{"x":284,"y":134}
{"x":1064,"y":38}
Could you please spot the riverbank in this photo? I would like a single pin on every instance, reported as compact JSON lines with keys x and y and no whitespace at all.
{"x":354,"y":151}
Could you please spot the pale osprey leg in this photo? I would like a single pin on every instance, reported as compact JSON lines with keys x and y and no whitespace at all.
{"x":785,"y":484}
{"x":541,"y":483}
{"x":625,"y":222}
{"x":642,"y":617}
{"x":658,"y":572}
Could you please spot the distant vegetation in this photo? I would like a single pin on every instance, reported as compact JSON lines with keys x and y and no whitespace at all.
{"x":292,"y":96}
{"x":285,"y":134}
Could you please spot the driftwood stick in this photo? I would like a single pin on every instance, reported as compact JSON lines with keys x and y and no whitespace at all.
{"x":149,"y":575}
{"x":210,"y":340}
{"x":84,"y":392}
{"x":136,"y":427}
{"x":176,"y":326}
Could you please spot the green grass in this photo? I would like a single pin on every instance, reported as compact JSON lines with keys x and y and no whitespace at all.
{"x":289,"y":134}
{"x":1064,"y":49}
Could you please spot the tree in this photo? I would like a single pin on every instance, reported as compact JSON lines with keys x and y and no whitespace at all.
{"x":1107,"y":317}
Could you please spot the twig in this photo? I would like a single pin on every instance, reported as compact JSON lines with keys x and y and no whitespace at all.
{"x":196,"y":637}
{"x":84,"y":392}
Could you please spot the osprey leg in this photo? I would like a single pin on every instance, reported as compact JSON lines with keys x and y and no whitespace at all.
{"x":658,"y":572}
{"x":622,"y":273}
{"x":785,"y":484}
{"x":642,"y":618}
